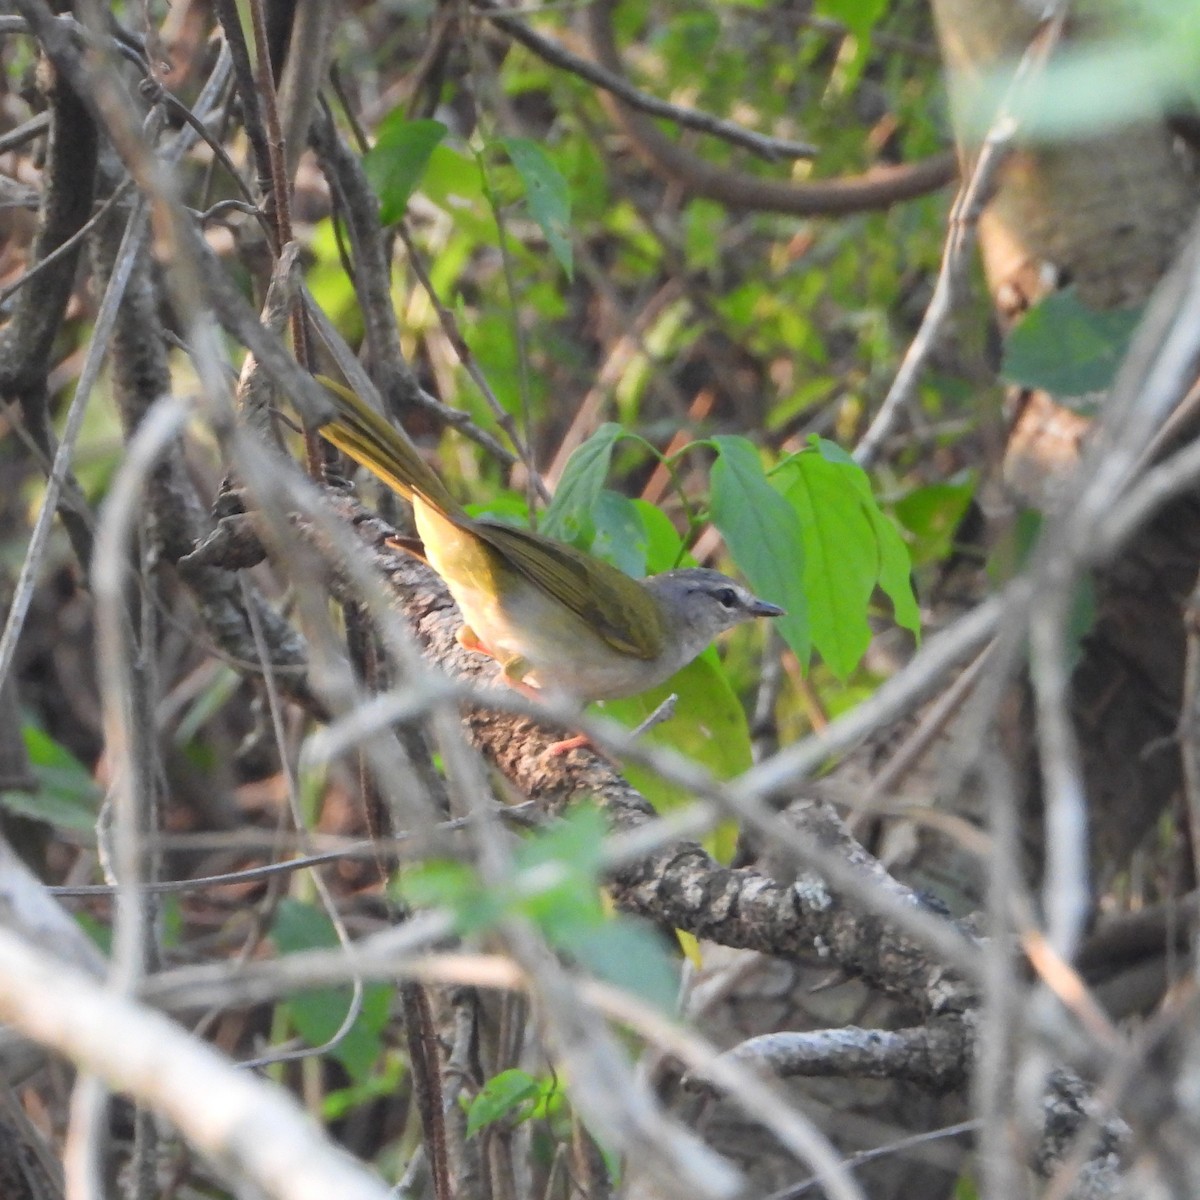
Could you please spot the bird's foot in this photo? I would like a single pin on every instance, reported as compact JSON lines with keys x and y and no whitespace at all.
{"x":580,"y":741}
{"x":468,"y":639}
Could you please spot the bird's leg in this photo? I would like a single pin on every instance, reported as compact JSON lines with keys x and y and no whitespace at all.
{"x":515,"y":668}
{"x":468,"y":639}
{"x":580,"y":741}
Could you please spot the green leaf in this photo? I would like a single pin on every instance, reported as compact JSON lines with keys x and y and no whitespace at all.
{"x":664,"y":547}
{"x":559,"y":867}
{"x":704,"y":222}
{"x":841,"y":559}
{"x":395,"y":164}
{"x":630,"y":955}
{"x":454,"y":182}
{"x":575,"y":841}
{"x":317,"y":1015}
{"x":620,"y":536}
{"x":859,"y":16}
{"x":709,"y":726}
{"x":851,"y":546}
{"x":1067,"y":348}
{"x":501,"y":1095}
{"x":895,"y":572}
{"x":547,"y":195}
{"x":66,"y":795}
{"x":170,"y":922}
{"x":932,"y":515}
{"x":579,"y":488}
{"x":763,"y":535}
{"x":452,"y":885}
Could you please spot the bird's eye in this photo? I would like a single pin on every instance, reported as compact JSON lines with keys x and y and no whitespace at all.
{"x":726,"y":597}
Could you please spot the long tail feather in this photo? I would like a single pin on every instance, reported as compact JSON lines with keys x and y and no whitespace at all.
{"x":387,"y":452}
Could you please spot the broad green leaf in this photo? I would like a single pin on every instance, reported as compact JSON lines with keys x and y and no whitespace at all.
{"x":558,"y":889}
{"x":317,"y":1015}
{"x":709,"y":726}
{"x":452,"y":885}
{"x":396,"y":162}
{"x":895,"y":572}
{"x":841,"y":558}
{"x":574,"y":840}
{"x":931,"y":515}
{"x":332,"y":288}
{"x":170,"y":922}
{"x":564,"y":900}
{"x":554,"y":883}
{"x":620,"y":536}
{"x":629,"y":954}
{"x":581,"y":484}
{"x":704,"y":221}
{"x":763,"y":535}
{"x":454,"y":182}
{"x":504,"y":506}
{"x":494,"y":347}
{"x":555,"y":886}
{"x":860,"y":17}
{"x":500,"y":1096}
{"x":66,"y":795}
{"x":547,"y":195}
{"x":851,"y":546}
{"x":664,"y":547}
{"x":1067,"y":348}
{"x":895,"y":564}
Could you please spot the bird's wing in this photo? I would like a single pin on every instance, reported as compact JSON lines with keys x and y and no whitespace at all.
{"x":628,"y":618}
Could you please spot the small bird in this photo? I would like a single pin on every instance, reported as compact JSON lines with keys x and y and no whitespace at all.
{"x":555,"y":617}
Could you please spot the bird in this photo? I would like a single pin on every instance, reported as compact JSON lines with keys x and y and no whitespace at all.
{"x":555,"y":617}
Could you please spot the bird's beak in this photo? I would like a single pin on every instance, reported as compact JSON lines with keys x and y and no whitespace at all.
{"x":760,"y":608}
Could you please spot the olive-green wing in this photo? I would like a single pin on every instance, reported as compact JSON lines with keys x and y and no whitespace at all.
{"x":618,"y":608}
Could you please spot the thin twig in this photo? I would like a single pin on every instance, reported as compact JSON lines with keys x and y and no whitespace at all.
{"x":322,"y":888}
{"x":899,"y":1146}
{"x":14,"y":139}
{"x":102,"y":333}
{"x":471,"y":365}
{"x":66,"y":247}
{"x":255,"y":1129}
{"x":1189,"y":722}
{"x":771,"y":148}
{"x":243,"y":71}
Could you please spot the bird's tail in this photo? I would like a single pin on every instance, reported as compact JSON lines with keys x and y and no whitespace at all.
{"x":387,"y":452}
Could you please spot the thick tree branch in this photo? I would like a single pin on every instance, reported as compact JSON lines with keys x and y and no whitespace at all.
{"x":936,"y":1056}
